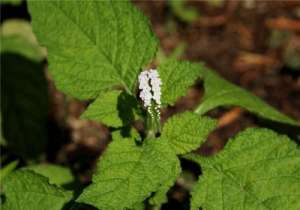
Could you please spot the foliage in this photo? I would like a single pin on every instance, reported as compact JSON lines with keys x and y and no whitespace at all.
{"x":25,"y":189}
{"x":219,"y":92}
{"x":56,"y":174}
{"x":258,"y":169}
{"x":6,"y":170}
{"x":111,"y":37}
{"x":96,"y":50}
{"x":182,"y":11}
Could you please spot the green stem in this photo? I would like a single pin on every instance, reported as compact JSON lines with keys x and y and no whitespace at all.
{"x":152,"y":124}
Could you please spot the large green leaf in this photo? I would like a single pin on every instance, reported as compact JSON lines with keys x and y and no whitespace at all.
{"x":177,"y":77}
{"x":127,"y":174}
{"x":114,"y":108}
{"x":258,"y":169}
{"x":187,"y":131}
{"x":219,"y":92}
{"x":56,"y":174}
{"x":93,"y":45}
{"x":26,"y":190}
{"x":24,"y":105}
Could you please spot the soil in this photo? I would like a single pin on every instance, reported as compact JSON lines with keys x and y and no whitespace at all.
{"x":234,"y":39}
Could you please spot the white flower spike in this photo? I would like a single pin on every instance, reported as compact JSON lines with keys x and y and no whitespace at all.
{"x":149,"y":85}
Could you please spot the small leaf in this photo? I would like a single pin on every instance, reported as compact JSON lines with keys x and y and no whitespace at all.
{"x":128,"y":174}
{"x":7,"y":169}
{"x":104,"y":109}
{"x":186,"y":132}
{"x":183,"y":12}
{"x":219,"y":92}
{"x":258,"y":169}
{"x":26,"y":190}
{"x":114,"y":108}
{"x":17,"y":37}
{"x":56,"y":174}
{"x":177,"y":77}
{"x":93,"y":45}
{"x":24,"y":105}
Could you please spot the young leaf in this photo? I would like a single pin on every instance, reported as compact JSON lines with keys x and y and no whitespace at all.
{"x":219,"y":92}
{"x":26,"y":190}
{"x":24,"y":105}
{"x":114,"y":108}
{"x":56,"y":174}
{"x":258,"y":169}
{"x":93,"y":45}
{"x":128,"y":174}
{"x":186,"y":132}
{"x":177,"y":77}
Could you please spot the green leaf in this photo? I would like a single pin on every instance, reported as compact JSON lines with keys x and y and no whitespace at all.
{"x":17,"y":37}
{"x":56,"y":174}
{"x":219,"y":92}
{"x":93,"y":45}
{"x":258,"y":169}
{"x":24,"y":105}
{"x":13,"y":2}
{"x":127,"y":174}
{"x":183,"y":12}
{"x":6,"y":170}
{"x":114,"y":108}
{"x":177,"y":77}
{"x":187,"y":131}
{"x":160,"y":195}
{"x":25,"y":189}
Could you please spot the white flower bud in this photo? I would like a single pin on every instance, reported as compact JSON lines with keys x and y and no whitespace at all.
{"x":149,"y":85}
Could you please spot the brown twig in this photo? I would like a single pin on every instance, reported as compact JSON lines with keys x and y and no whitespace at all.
{"x":283,"y":23}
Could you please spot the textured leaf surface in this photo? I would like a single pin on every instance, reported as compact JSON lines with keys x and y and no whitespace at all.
{"x":177,"y":77}
{"x":186,"y":132}
{"x":258,"y":169}
{"x":25,"y":189}
{"x":7,"y":169}
{"x":93,"y":45}
{"x":114,"y":108}
{"x":56,"y":174}
{"x":24,"y":105}
{"x":219,"y":92}
{"x":160,"y":197}
{"x":128,"y":174}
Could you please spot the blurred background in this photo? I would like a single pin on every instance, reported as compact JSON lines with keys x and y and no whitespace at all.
{"x":254,"y":44}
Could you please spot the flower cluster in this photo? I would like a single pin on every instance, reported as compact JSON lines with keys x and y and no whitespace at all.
{"x":149,"y":85}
